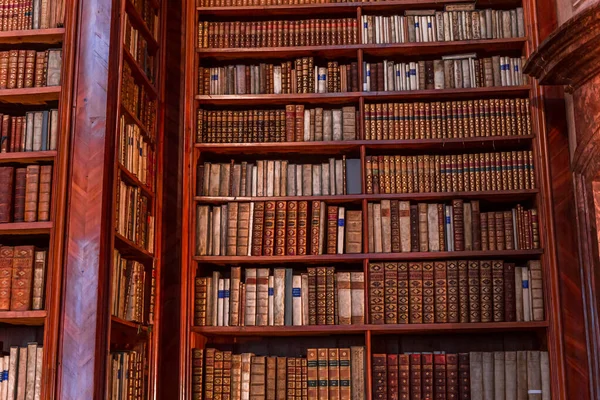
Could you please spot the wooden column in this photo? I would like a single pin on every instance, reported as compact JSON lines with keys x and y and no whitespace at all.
{"x":82,"y":357}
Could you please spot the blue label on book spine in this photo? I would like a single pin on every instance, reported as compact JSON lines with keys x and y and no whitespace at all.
{"x":221,"y":294}
{"x":296,"y":292}
{"x":271,"y":291}
{"x":340,"y":222}
{"x":525,"y":284}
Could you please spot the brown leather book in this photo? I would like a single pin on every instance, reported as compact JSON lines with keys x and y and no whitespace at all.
{"x":45,"y":190}
{"x":257,"y":378}
{"x":243,"y":226}
{"x":31,"y":192}
{"x":6,"y":268}
{"x":491,"y":231}
{"x":313,"y":375}
{"x":453,"y":294}
{"x":22,"y":55}
{"x":474,"y":291}
{"x":29,"y":68}
{"x":392,"y":376}
{"x":414,"y":228}
{"x":457,"y":214}
{"x":13,"y":66}
{"x":415,"y":282}
{"x":39,"y":277}
{"x":395,"y":226}
{"x":428,"y":292}
{"x":22,"y":277}
{"x":464,"y":375}
{"x":330,"y":305}
{"x":345,"y":377}
{"x":209,"y":382}
{"x":498,"y":290}
{"x":379,"y":377}
{"x":509,"y":242}
{"x":333,"y":382}
{"x":391,"y":293}
{"x":439,"y":376}
{"x":280,"y":228}
{"x":403,"y":377}
{"x":299,"y":134}
{"x":312,"y":296}
{"x":292,"y":228}
{"x":377,"y":293}
{"x":226,"y":380}
{"x":442,"y":226}
{"x":322,"y":373}
{"x":415,"y":377}
{"x":281,"y":389}
{"x":486,"y":290}
{"x":218,"y":376}
{"x":6,"y":194}
{"x":290,"y":123}
{"x":197,"y":373}
{"x":269,"y":229}
{"x":427,"y":376}
{"x":302,"y":228}
{"x":332,"y":225}
{"x":315,"y":227}
{"x":423,"y":231}
{"x":271,"y":378}
{"x":537,"y":291}
{"x":321,"y":295}
{"x":452,"y":378}
{"x":484,"y":232}
{"x":509,"y":293}
{"x":200,"y":301}
{"x":403,"y":293}
{"x":441,"y":292}
{"x":476,"y":223}
{"x":354,"y":232}
{"x":499,"y":218}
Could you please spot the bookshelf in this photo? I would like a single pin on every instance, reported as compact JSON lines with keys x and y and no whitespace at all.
{"x":134,"y":261}
{"x":471,"y":336}
{"x":18,"y":328}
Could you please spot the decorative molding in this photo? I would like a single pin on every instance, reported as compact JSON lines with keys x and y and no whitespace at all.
{"x":569,"y":56}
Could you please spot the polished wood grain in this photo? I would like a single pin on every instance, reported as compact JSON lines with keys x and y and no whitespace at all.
{"x":27,"y":318}
{"x":26,"y":228}
{"x":51,"y":36}
{"x":27,"y":157}
{"x":30,"y":96}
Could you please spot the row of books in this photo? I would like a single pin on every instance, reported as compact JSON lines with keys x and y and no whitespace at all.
{"x":299,"y":76}
{"x":21,"y":372}
{"x":137,"y":45}
{"x":138,"y":102}
{"x":36,"y":131}
{"x":277,"y":228}
{"x":399,"y":227}
{"x":280,"y":33}
{"x":135,"y":154}
{"x":20,"y":15}
{"x":455,"y":291}
{"x":320,"y":296}
{"x":25,"y":193}
{"x":447,"y":119}
{"x":450,"y":173}
{"x":325,"y":373}
{"x":22,"y":278}
{"x":28,"y":68}
{"x":147,"y":9}
{"x":450,"y":72}
{"x":509,"y":375}
{"x":126,"y":379}
{"x":294,"y":124}
{"x":279,"y":178}
{"x":129,"y":283}
{"x":456,"y":23}
{"x":133,"y":216}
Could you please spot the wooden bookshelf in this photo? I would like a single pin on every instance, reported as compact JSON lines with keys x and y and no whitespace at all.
{"x":519,"y":334}
{"x":42,"y":326}
{"x":141,"y":335}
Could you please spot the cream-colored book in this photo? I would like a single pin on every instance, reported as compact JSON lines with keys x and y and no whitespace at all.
{"x":499,"y":378}
{"x":357,"y":292}
{"x":325,"y":189}
{"x":341,"y":229}
{"x":307,"y":179}
{"x":488,"y":375}
{"x":339,"y":177}
{"x":13,"y":366}
{"x":307,"y":125}
{"x":246,"y":359}
{"x":344,"y":295}
{"x":277,"y":178}
{"x":432,"y":227}
{"x":386,"y":226}
{"x":283,"y":178}
{"x":370,"y":227}
{"x":297,"y":300}
{"x":291,"y":180}
{"x":279,"y":297}
{"x":510,"y":375}
{"x":404,"y":217}
{"x":299,"y":181}
{"x":545,"y":371}
{"x":327,"y":125}
{"x":220,"y":302}
{"x":316,"y":181}
{"x":337,"y":124}
{"x":250,"y":308}
{"x":254,"y":187}
{"x":260,"y":178}
{"x":332,"y":176}
{"x":378,"y":245}
{"x":271,"y":301}
{"x":304,"y":299}
{"x":262,"y":296}
{"x":216,"y":231}
{"x":270,"y":190}
{"x":226,"y":301}
{"x":476,"y":375}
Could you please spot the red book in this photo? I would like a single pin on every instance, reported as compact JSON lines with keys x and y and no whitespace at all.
{"x":6,"y":193}
{"x":415,"y":377}
{"x":452,"y":376}
{"x":379,"y":377}
{"x":509,"y":293}
{"x":464,"y":383}
{"x":427,"y":375}
{"x":403,"y":377}
{"x":439,"y":376}
{"x":392,"y":376}
{"x":332,"y":222}
{"x":22,"y":276}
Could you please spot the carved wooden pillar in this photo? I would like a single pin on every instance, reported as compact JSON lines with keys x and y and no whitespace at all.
{"x":570,"y":56}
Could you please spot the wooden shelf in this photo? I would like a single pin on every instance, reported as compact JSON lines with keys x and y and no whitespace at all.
{"x":33,"y":36}
{"x":406,"y":329}
{"x":27,"y":156}
{"x":140,"y":24}
{"x":279,"y":147}
{"x":345,"y":258}
{"x":353,"y":97}
{"x":131,"y":179}
{"x":342,"y":199}
{"x":132,"y":118}
{"x":30,"y":96}
{"x":139,"y":74}
{"x":26,"y":228}
{"x":125,"y":334}
{"x":329,"y":52}
{"x":131,"y":250}
{"x":29,"y":318}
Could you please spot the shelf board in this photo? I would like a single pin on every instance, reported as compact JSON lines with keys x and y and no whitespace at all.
{"x":353,"y":97}
{"x":342,"y":199}
{"x":29,"y":318}
{"x":344,"y":258}
{"x":138,"y":23}
{"x":33,"y":36}
{"x":487,"y":46}
{"x":397,"y":329}
{"x":139,"y":73}
{"x":27,"y":156}
{"x":339,"y":8}
{"x":26,"y":228}
{"x":131,"y":250}
{"x":125,"y":334}
{"x":30,"y":96}
{"x":132,"y":118}
{"x":130,"y":178}
{"x":279,"y":147}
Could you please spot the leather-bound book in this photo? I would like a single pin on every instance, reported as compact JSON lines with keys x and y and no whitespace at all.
{"x":280,"y":228}
{"x":534,"y":375}
{"x":243,"y":229}
{"x":292,"y":228}
{"x":21,"y":68}
{"x":262,"y":296}
{"x":414,"y":228}
{"x":271,"y":378}
{"x":269,"y":229}
{"x":452,"y":291}
{"x":441,"y":220}
{"x":281,"y":392}
{"x":476,"y":224}
{"x":54,"y":67}
{"x":6,"y":194}
{"x":31,"y":192}
{"x":509,"y":242}
{"x":403,"y":377}
{"x":333,"y":384}
{"x":289,"y":297}
{"x":386,"y":233}
{"x":200,"y":301}
{"x":452,"y":378}
{"x":510,"y":375}
{"x":312,"y":296}
{"x":344,"y":298}
{"x":486,"y":290}
{"x":250,"y":303}
{"x":423,"y":231}
{"x":415,"y":377}
{"x":332,"y":225}
{"x":522,"y":376}
{"x":236,"y":377}
{"x":22,"y":374}
{"x":321,"y":295}
{"x":457,"y":218}
{"x":392,"y":376}
{"x":433,"y":231}
{"x":499,"y":217}
{"x":427,"y":379}
{"x":354,"y":232}
{"x":488,"y":375}
{"x":357,"y":293}
{"x":22,"y":276}
{"x":379,"y":377}
{"x":468,"y":226}
{"x":218,"y":376}
{"x":315,"y":227}
{"x":290,"y":123}
{"x":537,"y":291}
{"x":197,"y":373}
{"x":13,"y":58}
{"x":279,"y":297}
{"x":391,"y":293}
{"x":227,"y":364}
{"x":498,"y":290}
{"x":323,"y":373}
{"x":39,"y":272}
{"x":545,"y":372}
{"x":313,"y":377}
{"x":439,"y":376}
{"x":331,"y":297}
{"x":377,"y":293}
{"x":464,"y":376}
{"x":491,"y":231}
{"x":403,"y":293}
{"x":345,"y":376}
{"x":299,"y":134}
{"x":257,"y":378}
{"x":302,"y":239}
{"x":475,"y":313}
{"x":232,"y":228}
{"x":484,"y":231}
{"x":499,"y":381}
{"x":358,"y":368}
{"x":209,"y":384}
{"x":441,"y":291}
{"x":6,"y":268}
{"x":415,"y":282}
{"x":464,"y":291}
{"x":395,"y":226}
{"x":428,"y":292}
